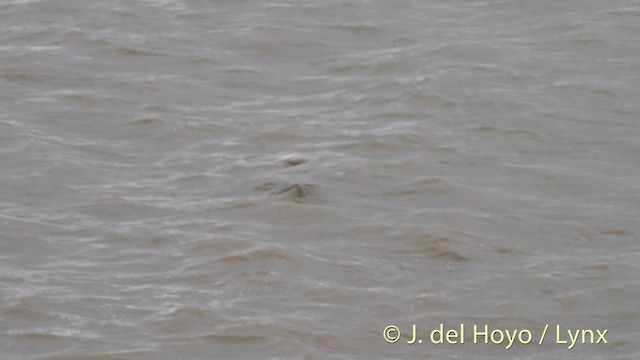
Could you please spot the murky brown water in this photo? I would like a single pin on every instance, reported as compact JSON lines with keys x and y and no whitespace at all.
{"x":197,"y":179}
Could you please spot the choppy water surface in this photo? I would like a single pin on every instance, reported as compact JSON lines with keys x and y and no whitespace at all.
{"x":467,"y":162}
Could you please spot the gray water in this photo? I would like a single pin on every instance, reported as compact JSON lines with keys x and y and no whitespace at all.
{"x":462,"y":162}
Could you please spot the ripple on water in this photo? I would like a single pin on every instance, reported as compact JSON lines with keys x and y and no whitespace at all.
{"x":296,"y":192}
{"x":258,"y":253}
{"x":433,"y":247}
